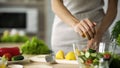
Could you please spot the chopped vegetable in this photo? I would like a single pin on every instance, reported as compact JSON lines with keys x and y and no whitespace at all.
{"x":107,"y":56}
{"x":87,"y":54}
{"x":81,"y":60}
{"x":91,"y":50}
{"x":18,"y":57}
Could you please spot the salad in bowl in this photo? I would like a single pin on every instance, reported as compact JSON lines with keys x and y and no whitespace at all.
{"x":94,"y":59}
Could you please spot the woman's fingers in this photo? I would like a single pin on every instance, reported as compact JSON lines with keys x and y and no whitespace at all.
{"x":86,"y":28}
{"x":92,"y":44}
{"x":78,"y":30}
{"x":82,"y":34}
{"x":90,"y":24}
{"x":84,"y":31}
{"x":89,"y":32}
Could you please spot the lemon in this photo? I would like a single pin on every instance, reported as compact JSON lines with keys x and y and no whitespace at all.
{"x":70,"y":56}
{"x":59,"y":55}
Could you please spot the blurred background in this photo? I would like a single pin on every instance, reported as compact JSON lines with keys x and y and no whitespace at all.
{"x":33,"y":17}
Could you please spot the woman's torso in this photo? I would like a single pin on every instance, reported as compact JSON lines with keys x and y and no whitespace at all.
{"x":82,"y":6}
{"x":62,"y":34}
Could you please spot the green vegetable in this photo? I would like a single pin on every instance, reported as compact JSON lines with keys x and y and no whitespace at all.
{"x":96,"y":61}
{"x":93,"y":54}
{"x":99,"y":55}
{"x":19,"y":57}
{"x":82,"y":53}
{"x":35,"y":46}
{"x":91,"y":50}
{"x":14,"y":38}
{"x":5,"y":37}
{"x":87,"y":54}
{"x":116,"y":30}
{"x":81,"y":59}
{"x":118,"y":40}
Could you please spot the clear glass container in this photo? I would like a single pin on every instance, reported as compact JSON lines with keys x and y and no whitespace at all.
{"x":79,"y":47}
{"x":84,"y":57}
{"x":3,"y":63}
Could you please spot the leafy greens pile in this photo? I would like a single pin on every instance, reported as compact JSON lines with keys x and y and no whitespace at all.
{"x":16,"y":38}
{"x":35,"y":46}
{"x":116,"y":32}
{"x":118,"y":40}
{"x":116,"y":35}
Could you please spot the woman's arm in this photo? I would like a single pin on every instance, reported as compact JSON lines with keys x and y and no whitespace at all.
{"x":106,"y":22}
{"x":109,"y":17}
{"x":82,"y":27}
{"x":61,"y":11}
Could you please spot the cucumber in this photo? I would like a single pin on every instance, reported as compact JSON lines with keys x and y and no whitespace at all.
{"x":81,"y":53}
{"x":96,"y":61}
{"x":84,"y":58}
{"x":18,"y":57}
{"x":99,"y":55}
{"x":93,"y":54}
{"x":80,"y":60}
{"x":91,"y":50}
{"x":87,"y":54}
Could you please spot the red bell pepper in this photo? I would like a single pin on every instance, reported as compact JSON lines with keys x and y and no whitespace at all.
{"x":12,"y":50}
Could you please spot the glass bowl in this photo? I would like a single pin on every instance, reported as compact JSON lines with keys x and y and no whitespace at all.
{"x":91,"y":58}
{"x":3,"y":63}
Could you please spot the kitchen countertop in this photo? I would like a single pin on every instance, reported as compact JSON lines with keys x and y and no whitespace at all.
{"x":46,"y":65}
{"x":41,"y":64}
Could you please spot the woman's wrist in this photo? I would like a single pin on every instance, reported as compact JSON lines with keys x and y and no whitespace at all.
{"x":74,"y":22}
{"x":74,"y":25}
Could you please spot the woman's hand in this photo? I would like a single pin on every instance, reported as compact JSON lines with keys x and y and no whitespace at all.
{"x":105,"y":23}
{"x":86,"y":28}
{"x":94,"y":42}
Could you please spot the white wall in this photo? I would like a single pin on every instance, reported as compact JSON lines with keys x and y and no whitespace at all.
{"x":50,"y":17}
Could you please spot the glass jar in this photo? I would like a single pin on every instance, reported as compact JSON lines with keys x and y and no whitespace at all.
{"x":89,"y":58}
{"x":79,"y":48}
{"x":3,"y":63}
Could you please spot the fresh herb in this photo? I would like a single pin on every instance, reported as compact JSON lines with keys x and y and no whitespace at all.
{"x":116,"y":30}
{"x":118,"y":40}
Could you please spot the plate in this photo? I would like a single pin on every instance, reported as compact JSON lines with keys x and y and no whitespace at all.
{"x":41,"y":58}
{"x":15,"y":66}
{"x":67,"y":61}
{"x":19,"y":61}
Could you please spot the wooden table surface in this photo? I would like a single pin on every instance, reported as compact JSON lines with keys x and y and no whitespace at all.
{"x":41,"y":64}
{"x":46,"y":65}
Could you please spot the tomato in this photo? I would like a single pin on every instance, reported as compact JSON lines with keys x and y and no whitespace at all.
{"x":89,"y":61}
{"x":8,"y":56}
{"x":107,"y":56}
